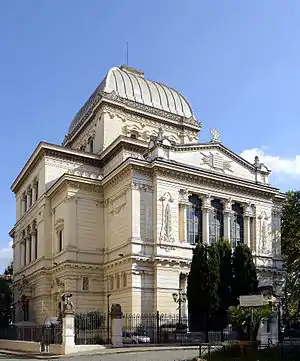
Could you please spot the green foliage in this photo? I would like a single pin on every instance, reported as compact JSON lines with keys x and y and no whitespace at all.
{"x":225,"y":285}
{"x":240,"y":318}
{"x":244,"y":273}
{"x":5,"y":302}
{"x":203,"y":280}
{"x":290,"y":245}
{"x":216,"y":280}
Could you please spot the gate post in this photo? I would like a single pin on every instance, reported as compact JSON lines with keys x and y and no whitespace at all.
{"x":68,"y":326}
{"x":116,"y":325}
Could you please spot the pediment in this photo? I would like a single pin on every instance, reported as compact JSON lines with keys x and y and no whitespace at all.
{"x":215,"y":158}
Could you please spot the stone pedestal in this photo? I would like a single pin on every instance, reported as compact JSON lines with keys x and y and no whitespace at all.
{"x":116,"y":325}
{"x":68,"y":332}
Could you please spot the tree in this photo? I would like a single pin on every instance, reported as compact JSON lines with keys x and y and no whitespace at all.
{"x":240,"y":318}
{"x":6,"y":297}
{"x":202,"y":290}
{"x":290,"y":246}
{"x":224,"y":288}
{"x":244,"y":273}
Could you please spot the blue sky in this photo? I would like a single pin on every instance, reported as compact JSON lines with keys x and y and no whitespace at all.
{"x":237,"y":62}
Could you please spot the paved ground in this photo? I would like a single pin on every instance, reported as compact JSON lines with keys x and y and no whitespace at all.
{"x":177,"y":355}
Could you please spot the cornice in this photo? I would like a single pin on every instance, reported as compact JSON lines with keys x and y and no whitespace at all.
{"x":182,"y":172}
{"x":44,"y":149}
{"x":98,"y":97}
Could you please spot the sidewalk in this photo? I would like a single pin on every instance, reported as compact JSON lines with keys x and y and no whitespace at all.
{"x":107,"y":351}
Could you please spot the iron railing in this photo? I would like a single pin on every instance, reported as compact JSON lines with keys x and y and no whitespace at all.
{"x":166,"y":329}
{"x":44,"y":334}
{"x":91,"y":328}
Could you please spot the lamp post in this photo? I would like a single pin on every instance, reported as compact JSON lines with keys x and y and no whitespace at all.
{"x":179,"y":298}
{"x":108,"y":330}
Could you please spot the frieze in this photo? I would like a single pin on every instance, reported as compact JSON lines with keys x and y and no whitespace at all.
{"x":142,"y":187}
{"x":194,"y":179}
{"x":85,"y":187}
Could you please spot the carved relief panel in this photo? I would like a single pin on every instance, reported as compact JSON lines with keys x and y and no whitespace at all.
{"x":166,"y":233}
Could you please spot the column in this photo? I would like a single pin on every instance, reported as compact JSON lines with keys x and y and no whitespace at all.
{"x":24,"y":253}
{"x":227,"y":211}
{"x":23,"y":204}
{"x":28,"y":249}
{"x":206,"y":208}
{"x":28,"y":195}
{"x":247,"y":238}
{"x":33,"y":240}
{"x":248,"y":212}
{"x":135,"y":211}
{"x":183,"y":221}
{"x":33,"y":193}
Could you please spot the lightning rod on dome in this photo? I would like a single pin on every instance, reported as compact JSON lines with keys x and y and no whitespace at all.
{"x":127,"y":53}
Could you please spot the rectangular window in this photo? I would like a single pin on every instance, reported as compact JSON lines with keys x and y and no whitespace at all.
{"x":124,"y":280}
{"x":85,"y":284}
{"x":60,"y":240}
{"x":25,"y":203}
{"x":36,"y":191}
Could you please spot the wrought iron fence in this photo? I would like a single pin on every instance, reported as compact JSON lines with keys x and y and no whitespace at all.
{"x":44,"y":334}
{"x":166,"y":329}
{"x":91,"y":328}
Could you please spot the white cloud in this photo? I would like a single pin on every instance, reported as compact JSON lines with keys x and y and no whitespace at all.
{"x":6,"y":256}
{"x":279,"y":166}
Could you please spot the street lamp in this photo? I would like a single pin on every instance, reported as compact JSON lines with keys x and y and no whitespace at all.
{"x":108,"y":295}
{"x":179,"y":298}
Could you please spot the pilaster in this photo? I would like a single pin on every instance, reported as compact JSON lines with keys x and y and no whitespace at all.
{"x":135,"y":211}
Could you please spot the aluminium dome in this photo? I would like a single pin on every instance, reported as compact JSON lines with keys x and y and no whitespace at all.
{"x":130,"y":84}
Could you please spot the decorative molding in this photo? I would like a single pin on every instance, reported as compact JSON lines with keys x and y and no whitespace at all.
{"x":166,"y":226}
{"x":183,"y":198}
{"x":118,"y":202}
{"x":142,"y":187}
{"x":59,"y":224}
{"x":216,"y":161}
{"x":87,"y":187}
{"x":263,"y":233}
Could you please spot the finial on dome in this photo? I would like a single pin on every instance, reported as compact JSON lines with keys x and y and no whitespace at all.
{"x":215,"y":135}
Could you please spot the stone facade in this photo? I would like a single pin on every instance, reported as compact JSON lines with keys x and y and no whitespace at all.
{"x":115,"y":212}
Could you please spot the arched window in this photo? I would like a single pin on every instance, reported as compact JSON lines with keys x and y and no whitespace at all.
{"x":60,"y":240}
{"x":91,"y":145}
{"x":194,"y":220}
{"x":118,"y":281}
{"x":236,"y":225}
{"x":124,"y":280}
{"x":111,"y":286}
{"x":216,"y":222}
